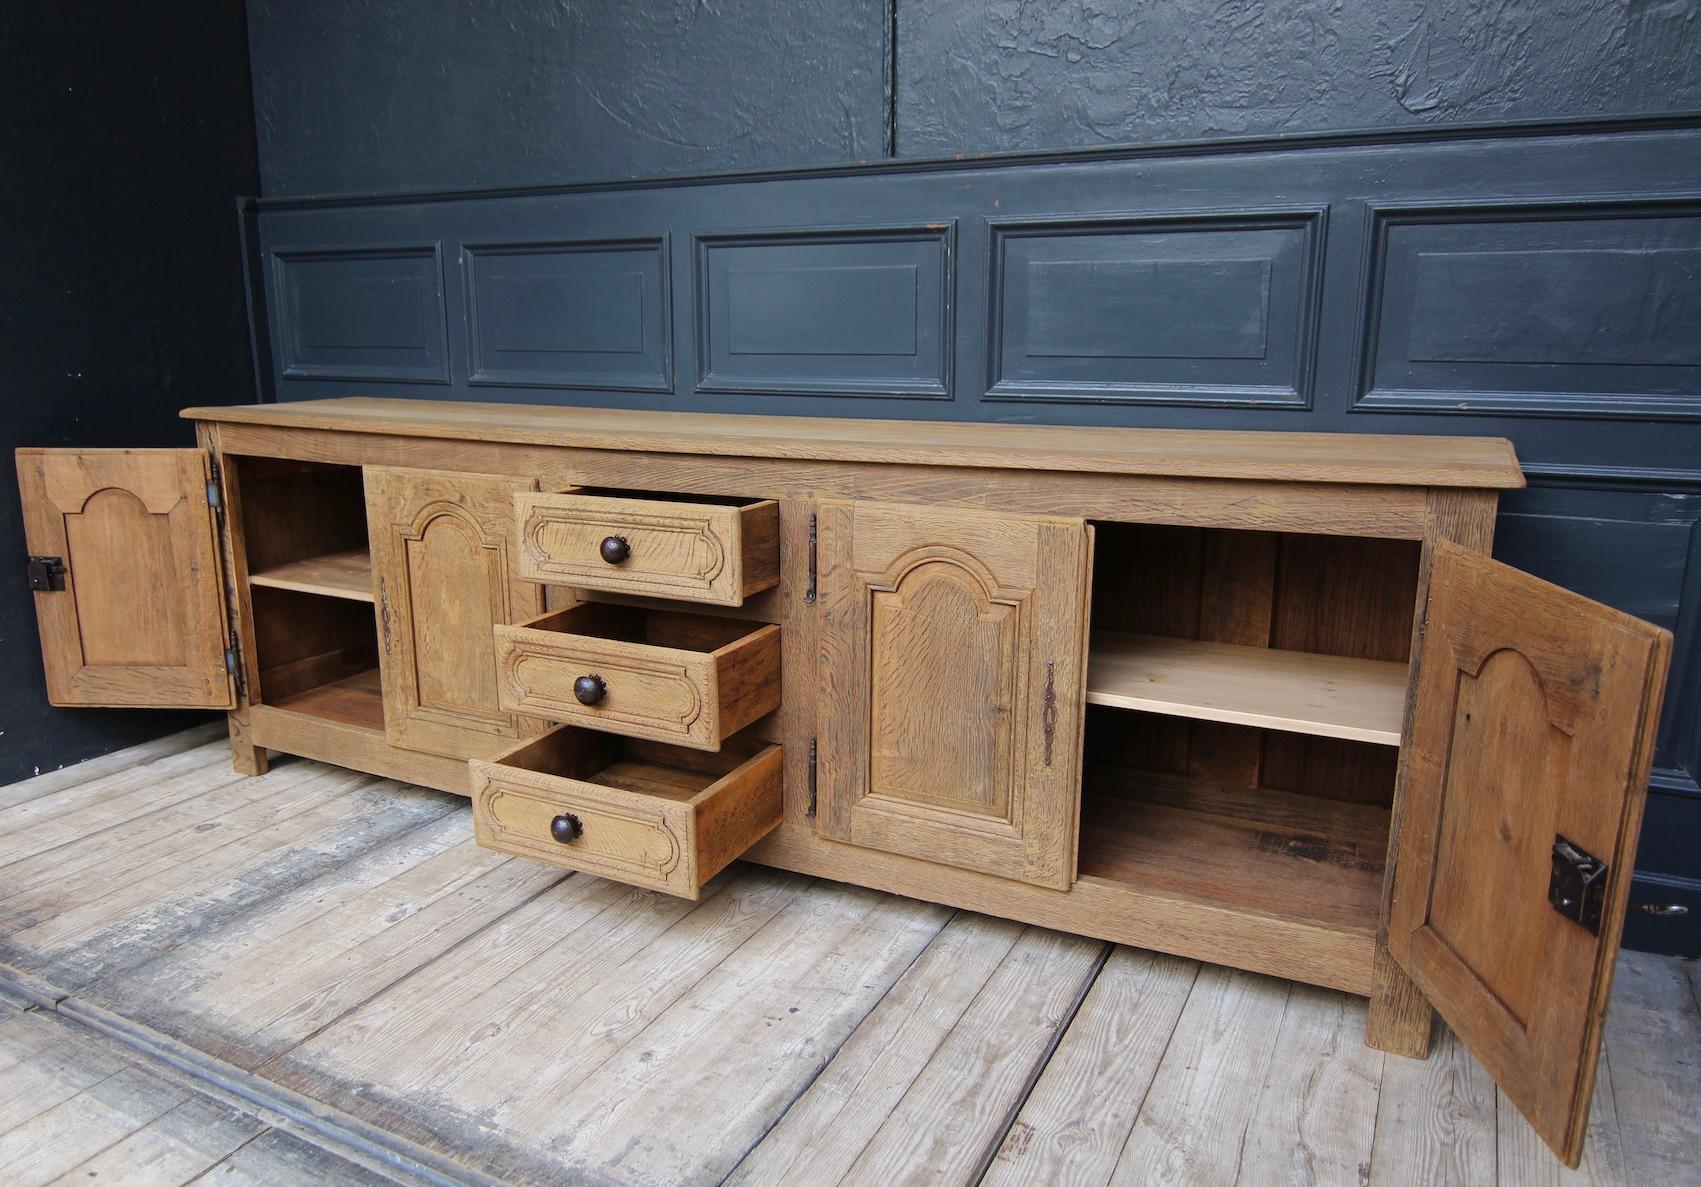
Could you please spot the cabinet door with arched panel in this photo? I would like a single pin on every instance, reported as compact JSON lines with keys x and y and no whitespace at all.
{"x":1524,"y":772}
{"x":124,"y":562}
{"x":441,"y":544}
{"x":952,"y":668}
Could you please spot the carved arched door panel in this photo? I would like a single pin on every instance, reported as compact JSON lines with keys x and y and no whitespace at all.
{"x":440,"y":545}
{"x":129,"y":593}
{"x":1523,"y":777}
{"x":953,"y":674}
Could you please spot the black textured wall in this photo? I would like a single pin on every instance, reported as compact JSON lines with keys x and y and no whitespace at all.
{"x":359,"y":97}
{"x":980,"y":75}
{"x":432,"y":94}
{"x":127,"y":136}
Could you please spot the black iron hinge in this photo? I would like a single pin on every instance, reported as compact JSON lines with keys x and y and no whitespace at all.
{"x":813,"y":783}
{"x":215,"y":493}
{"x":233,"y":661}
{"x":814,"y":561}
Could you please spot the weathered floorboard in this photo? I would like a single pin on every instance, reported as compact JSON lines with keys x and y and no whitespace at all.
{"x":980,"y":1074}
{"x":121,"y":762}
{"x":81,"y":1108}
{"x":826,"y":1129}
{"x":1192,"y":1126}
{"x":343,"y":937}
{"x":1315,"y":1119}
{"x":1653,"y":1051}
{"x":1434,"y":1120}
{"x":1075,"y":1122}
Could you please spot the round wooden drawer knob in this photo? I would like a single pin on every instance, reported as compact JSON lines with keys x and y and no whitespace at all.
{"x":615,"y":549}
{"x":566,"y":827}
{"x":590,"y":689}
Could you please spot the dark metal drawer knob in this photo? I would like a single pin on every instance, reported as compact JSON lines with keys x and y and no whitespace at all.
{"x":590,"y":689}
{"x":566,"y":827}
{"x":615,"y":549}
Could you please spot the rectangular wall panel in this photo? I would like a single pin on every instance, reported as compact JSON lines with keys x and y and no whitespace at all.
{"x":832,"y":312}
{"x":1590,"y":309}
{"x":571,"y":315}
{"x":361,"y":314}
{"x":1156,"y":310}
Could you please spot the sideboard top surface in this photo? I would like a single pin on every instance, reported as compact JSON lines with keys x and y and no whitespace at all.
{"x":1347,"y":458}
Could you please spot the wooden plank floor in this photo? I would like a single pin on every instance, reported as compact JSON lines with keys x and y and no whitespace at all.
{"x":337,"y":941}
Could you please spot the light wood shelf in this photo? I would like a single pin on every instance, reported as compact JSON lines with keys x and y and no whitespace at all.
{"x":1330,"y":696}
{"x":338,"y":575}
{"x":1250,"y":850}
{"x":356,"y":700}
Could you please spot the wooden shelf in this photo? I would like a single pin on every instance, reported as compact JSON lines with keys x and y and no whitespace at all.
{"x":1359,"y":699}
{"x":1249,"y":850}
{"x":356,"y":700}
{"x":338,"y":575}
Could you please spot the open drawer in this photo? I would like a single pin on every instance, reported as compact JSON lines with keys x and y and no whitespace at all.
{"x":694,"y":549}
{"x":690,"y":679}
{"x":637,"y":812}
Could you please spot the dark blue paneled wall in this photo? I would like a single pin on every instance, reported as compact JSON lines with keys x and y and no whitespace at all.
{"x":1545,"y":286}
{"x":126,"y":138}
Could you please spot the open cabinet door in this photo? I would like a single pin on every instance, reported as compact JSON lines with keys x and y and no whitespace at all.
{"x":125,"y":565}
{"x":1532,"y":734}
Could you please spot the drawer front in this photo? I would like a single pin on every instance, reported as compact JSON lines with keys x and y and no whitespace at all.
{"x":661,"y":827}
{"x":665,"y":694}
{"x":685,"y":551}
{"x":630,"y":840}
{"x":651,"y":692}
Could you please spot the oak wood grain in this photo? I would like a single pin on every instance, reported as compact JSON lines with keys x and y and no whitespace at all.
{"x":675,"y":548}
{"x":1400,"y":1018}
{"x":441,"y":549}
{"x":141,"y":620}
{"x":1296,"y":691}
{"x":1534,"y":720}
{"x":952,"y":670}
{"x":689,"y":679}
{"x":336,"y":575}
{"x":653,"y":816}
{"x":1299,"y":457}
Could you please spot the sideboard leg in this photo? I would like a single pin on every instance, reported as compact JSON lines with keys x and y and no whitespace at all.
{"x":1400,"y":1016}
{"x":245,"y":757}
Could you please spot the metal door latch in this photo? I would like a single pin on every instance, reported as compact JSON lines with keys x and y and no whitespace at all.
{"x":46,"y":573}
{"x":1577,"y":889}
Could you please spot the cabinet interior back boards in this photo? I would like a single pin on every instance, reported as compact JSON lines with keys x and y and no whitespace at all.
{"x":1255,"y":698}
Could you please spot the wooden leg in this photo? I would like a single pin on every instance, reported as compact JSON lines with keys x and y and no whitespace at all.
{"x":1401,"y":1017}
{"x":245,"y":757}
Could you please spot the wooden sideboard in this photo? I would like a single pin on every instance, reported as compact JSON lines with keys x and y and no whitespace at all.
{"x":1255,"y":698}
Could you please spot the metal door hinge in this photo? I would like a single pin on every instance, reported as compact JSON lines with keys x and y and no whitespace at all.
{"x":46,"y":573}
{"x":1577,"y":887}
{"x":233,"y":661}
{"x":814,"y":560}
{"x":813,"y":785}
{"x":215,"y":494}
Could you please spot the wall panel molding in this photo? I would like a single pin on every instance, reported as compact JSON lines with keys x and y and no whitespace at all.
{"x":1584,"y":309}
{"x":366,"y":313}
{"x":1184,"y":308}
{"x":827,"y":311}
{"x":590,"y":314}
